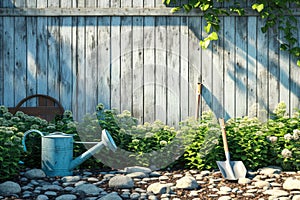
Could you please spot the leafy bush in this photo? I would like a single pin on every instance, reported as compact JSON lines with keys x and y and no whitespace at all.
{"x":255,"y":143}
{"x":283,"y":134}
{"x":195,"y":144}
{"x":10,"y":151}
{"x":202,"y":140}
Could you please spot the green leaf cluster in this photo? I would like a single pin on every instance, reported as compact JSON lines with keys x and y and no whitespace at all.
{"x":257,"y":144}
{"x":10,"y":151}
{"x":275,"y":13}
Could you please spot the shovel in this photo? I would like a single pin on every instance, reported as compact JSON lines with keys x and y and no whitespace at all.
{"x":199,"y":87}
{"x":231,"y":170}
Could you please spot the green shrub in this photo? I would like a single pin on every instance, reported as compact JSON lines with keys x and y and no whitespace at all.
{"x":201,"y":140}
{"x":283,"y":134}
{"x":255,"y":143}
{"x":195,"y":144}
{"x":10,"y":151}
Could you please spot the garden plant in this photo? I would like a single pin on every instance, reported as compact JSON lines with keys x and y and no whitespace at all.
{"x":257,"y":144}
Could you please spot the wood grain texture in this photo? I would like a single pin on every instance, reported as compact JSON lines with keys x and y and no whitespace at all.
{"x":141,"y":58}
{"x":161,"y":69}
{"x":31,"y":58}
{"x":138,"y":68}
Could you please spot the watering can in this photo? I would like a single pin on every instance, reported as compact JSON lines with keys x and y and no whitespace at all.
{"x":57,"y":151}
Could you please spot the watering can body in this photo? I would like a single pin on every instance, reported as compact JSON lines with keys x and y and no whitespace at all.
{"x":57,"y":152}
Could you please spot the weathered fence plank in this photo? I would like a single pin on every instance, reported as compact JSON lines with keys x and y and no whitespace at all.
{"x":240,"y":64}
{"x":184,"y":69}
{"x":218,"y":76}
{"x":81,"y":65}
{"x":103,"y":57}
{"x":194,"y":58}
{"x":1,"y":59}
{"x":137,"y":68}
{"x":91,"y":64}
{"x":273,"y":68}
{"x":42,"y":52}
{"x":126,"y":63}
{"x":295,"y":84}
{"x":229,"y":73}
{"x":74,"y":41}
{"x":161,"y":69}
{"x":65,"y":62}
{"x":8,"y":61}
{"x":262,"y":73}
{"x":31,"y":58}
{"x":173,"y":93}
{"x":141,"y":58}
{"x":53,"y":57}
{"x":115,"y":63}
{"x":20,"y":63}
{"x":149,"y":70}
{"x":79,"y":9}
{"x":251,"y":64}
{"x":206,"y":72}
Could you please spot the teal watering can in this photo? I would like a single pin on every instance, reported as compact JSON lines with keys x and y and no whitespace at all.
{"x":57,"y":151}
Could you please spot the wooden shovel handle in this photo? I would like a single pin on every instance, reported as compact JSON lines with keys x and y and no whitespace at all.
{"x":222,"y":124}
{"x":199,"y":87}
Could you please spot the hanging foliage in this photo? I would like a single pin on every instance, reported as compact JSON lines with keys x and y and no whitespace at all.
{"x":273,"y":12}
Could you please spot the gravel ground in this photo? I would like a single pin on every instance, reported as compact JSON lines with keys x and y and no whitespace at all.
{"x":269,"y":183}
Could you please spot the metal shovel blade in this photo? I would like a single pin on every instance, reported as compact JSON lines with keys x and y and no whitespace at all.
{"x":232,"y":170}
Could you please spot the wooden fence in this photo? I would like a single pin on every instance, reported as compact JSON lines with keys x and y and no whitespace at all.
{"x":136,"y":56}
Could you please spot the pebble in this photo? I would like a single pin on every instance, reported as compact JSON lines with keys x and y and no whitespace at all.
{"x":140,"y":183}
{"x":244,"y":181}
{"x":262,"y":184}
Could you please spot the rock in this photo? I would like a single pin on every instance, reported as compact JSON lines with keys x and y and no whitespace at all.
{"x":155,"y":174}
{"x":111,"y":196}
{"x":276,"y":193}
{"x":121,"y":181}
{"x":247,"y":194}
{"x":205,"y":173}
{"x":223,"y":193}
{"x":51,"y":193}
{"x":79,"y":183}
{"x":52,"y":188}
{"x":138,"y":169}
{"x":270,"y":170}
{"x":152,"y":197}
{"x":163,"y":178}
{"x":159,"y":188}
{"x":88,"y":189}
{"x":262,"y":184}
{"x":244,"y":181}
{"x":42,"y":197}
{"x":9,"y":188}
{"x":296,"y":197}
{"x":224,"y":198}
{"x":92,"y":179}
{"x":66,"y":197}
{"x":187,"y":182}
{"x":35,"y":174}
{"x":135,"y":196}
{"x":291,"y":184}
{"x":138,"y":175}
{"x":67,"y":179}
{"x":225,"y":189}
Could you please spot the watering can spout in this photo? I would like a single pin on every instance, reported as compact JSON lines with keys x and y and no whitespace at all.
{"x":106,"y":141}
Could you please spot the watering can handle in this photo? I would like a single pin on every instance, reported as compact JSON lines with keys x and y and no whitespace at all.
{"x":26,"y":133}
